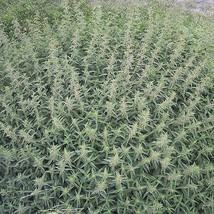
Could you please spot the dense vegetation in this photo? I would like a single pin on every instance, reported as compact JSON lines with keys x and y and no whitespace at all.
{"x":106,"y":108}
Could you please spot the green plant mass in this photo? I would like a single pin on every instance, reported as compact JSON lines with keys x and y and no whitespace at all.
{"x":106,"y":108}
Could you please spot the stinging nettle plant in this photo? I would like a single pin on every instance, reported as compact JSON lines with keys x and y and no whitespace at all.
{"x":108,"y":109}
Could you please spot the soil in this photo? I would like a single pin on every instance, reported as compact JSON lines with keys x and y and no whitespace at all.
{"x":204,"y":6}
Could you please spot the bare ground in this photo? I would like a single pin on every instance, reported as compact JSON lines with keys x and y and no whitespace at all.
{"x":203,"y":6}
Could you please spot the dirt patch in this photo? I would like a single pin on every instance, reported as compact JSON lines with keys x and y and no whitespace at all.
{"x":204,"y":6}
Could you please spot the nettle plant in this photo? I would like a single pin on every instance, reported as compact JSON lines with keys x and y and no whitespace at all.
{"x":108,"y":111}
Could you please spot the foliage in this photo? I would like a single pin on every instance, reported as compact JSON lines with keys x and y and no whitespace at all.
{"x":107,"y":110}
{"x":24,"y":12}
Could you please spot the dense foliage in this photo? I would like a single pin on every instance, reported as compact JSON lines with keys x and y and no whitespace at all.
{"x":109,"y":110}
